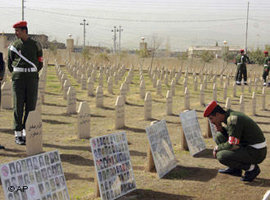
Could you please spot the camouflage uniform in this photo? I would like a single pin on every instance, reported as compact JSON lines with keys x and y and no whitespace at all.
{"x":241,"y":61}
{"x":266,"y":68}
{"x":241,"y":143}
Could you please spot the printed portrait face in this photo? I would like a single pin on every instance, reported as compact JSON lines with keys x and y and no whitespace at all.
{"x":4,"y":171}
{"x":51,"y":157}
{"x":12,"y":168}
{"x":35,"y":163}
{"x":47,"y":160}
{"x":26,"y":179}
{"x":24,"y":166}
{"x":41,"y":161}
{"x":7,"y":183}
{"x":56,"y":157}
{"x":29,"y":164}
{"x":18,"y":167}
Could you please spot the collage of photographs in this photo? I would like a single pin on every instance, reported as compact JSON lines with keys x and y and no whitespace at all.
{"x":161,"y":147}
{"x":113,"y":166}
{"x":192,"y":131}
{"x":39,"y":177}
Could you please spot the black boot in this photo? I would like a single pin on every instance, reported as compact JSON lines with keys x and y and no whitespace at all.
{"x":2,"y":147}
{"x":251,"y":175}
{"x":231,"y":171}
{"x":19,"y":140}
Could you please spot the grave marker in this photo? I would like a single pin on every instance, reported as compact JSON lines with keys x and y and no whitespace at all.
{"x":6,"y":98}
{"x":83,"y":121}
{"x":148,"y":106}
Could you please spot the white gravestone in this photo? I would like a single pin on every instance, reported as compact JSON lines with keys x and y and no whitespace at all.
{"x":169,"y":102}
{"x":186,"y":99}
{"x":263,"y":98}
{"x":71,"y":100}
{"x":161,"y":148}
{"x":173,"y":87}
{"x":228,"y":103}
{"x":242,"y":103}
{"x":99,"y":97}
{"x":142,"y":89}
{"x":201,"y":95}
{"x":83,"y":82}
{"x":66,"y":86}
{"x":6,"y":98}
{"x":192,"y":131}
{"x":90,"y":87}
{"x":253,"y":103}
{"x":33,"y":130}
{"x":36,"y":177}
{"x":83,"y":122}
{"x":159,"y":88}
{"x":123,"y":91}
{"x":113,"y":166}
{"x":110,"y":85}
{"x":214,"y":92}
{"x":148,"y":106}
{"x":119,"y":112}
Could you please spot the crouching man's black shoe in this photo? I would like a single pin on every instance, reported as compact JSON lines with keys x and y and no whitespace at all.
{"x":19,"y":140}
{"x":251,"y":175}
{"x":231,"y":171}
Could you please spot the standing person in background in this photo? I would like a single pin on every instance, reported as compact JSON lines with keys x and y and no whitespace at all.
{"x":241,"y":60}
{"x":2,"y":72}
{"x":266,"y":67}
{"x":24,"y":61}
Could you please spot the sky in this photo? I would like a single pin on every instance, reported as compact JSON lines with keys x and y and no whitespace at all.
{"x":177,"y":24}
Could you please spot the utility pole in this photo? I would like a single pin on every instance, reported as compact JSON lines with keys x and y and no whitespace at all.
{"x":246,"y":28}
{"x":120,"y":30}
{"x":22,"y":10}
{"x":114,"y":38}
{"x":84,"y":32}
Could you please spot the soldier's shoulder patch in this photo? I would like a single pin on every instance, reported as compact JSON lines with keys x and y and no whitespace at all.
{"x":232,"y":119}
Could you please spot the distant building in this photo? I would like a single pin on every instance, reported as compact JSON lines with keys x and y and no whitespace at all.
{"x":43,"y":39}
{"x":217,"y":51}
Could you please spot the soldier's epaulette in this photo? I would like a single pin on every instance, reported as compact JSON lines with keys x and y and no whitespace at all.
{"x":232,"y":119}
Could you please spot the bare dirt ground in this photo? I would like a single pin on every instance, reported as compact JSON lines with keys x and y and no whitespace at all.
{"x":193,"y":178}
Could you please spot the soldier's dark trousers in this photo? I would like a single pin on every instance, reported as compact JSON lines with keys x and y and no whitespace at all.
{"x":24,"y":100}
{"x":241,"y":158}
{"x":265,"y":74}
{"x":241,"y":71}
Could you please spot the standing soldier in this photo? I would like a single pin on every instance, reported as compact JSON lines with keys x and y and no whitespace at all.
{"x":241,"y":60}
{"x":241,"y":144}
{"x":266,"y":67}
{"x":24,"y":61}
{"x":2,"y":72}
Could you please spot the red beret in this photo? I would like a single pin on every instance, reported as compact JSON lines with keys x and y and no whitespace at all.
{"x":265,"y":52}
{"x":242,"y":50}
{"x":208,"y":110}
{"x":20,"y":24}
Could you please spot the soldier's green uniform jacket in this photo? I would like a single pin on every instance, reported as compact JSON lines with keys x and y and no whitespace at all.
{"x":30,"y":49}
{"x":241,"y":130}
{"x":266,"y":64}
{"x":241,"y":60}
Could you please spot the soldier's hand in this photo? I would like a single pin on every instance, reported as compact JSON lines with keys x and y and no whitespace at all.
{"x":218,"y":128}
{"x":215,"y":152}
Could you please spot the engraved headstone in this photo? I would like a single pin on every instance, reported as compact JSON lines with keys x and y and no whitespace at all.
{"x":169,"y":102}
{"x":6,"y":97}
{"x":119,"y":112}
{"x":33,"y":130}
{"x":83,"y":122}
{"x":148,"y":106}
{"x":71,"y":100}
{"x":99,"y":97}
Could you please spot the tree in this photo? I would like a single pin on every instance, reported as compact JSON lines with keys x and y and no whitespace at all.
{"x":256,"y":56}
{"x":154,"y":46}
{"x":207,"y":56}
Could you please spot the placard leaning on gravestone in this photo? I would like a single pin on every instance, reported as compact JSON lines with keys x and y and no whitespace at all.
{"x":113,"y":166}
{"x":192,"y":131}
{"x":161,"y":148}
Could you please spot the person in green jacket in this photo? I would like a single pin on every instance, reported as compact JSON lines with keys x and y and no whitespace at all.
{"x":266,"y":67}
{"x":241,"y":144}
{"x":24,"y":61}
{"x":241,"y":60}
{"x":2,"y":72}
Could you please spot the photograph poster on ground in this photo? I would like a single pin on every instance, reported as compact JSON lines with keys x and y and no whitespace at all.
{"x":192,"y":131}
{"x":38,"y":177}
{"x":161,"y":148}
{"x":113,"y":167}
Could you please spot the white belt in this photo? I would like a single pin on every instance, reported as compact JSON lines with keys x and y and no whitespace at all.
{"x":259,"y":145}
{"x":265,"y":65}
{"x":20,"y":69}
